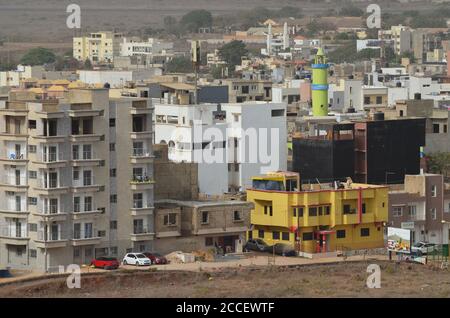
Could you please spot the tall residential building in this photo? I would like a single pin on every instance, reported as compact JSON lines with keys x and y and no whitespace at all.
{"x":98,"y":47}
{"x":317,"y":218}
{"x":219,"y":138}
{"x":77,"y":178}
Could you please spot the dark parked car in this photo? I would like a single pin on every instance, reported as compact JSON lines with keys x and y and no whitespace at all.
{"x":105,"y":262}
{"x":256,"y":245}
{"x":283,"y":249}
{"x":156,"y":258}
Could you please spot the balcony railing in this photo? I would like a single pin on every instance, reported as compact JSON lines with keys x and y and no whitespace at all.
{"x":140,"y":152}
{"x":79,"y":208}
{"x":50,"y":235}
{"x":141,"y":179}
{"x":52,"y":156}
{"x":13,"y":232}
{"x":14,"y":181}
{"x":141,"y":230}
{"x":16,"y":156}
{"x":84,"y":155}
{"x":139,"y":204}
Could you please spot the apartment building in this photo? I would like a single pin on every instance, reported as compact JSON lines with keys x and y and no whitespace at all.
{"x":61,"y":160}
{"x":422,"y":206}
{"x":242,"y":90}
{"x":400,"y":35}
{"x":317,"y":218}
{"x":218,"y":137}
{"x":14,"y":78}
{"x":98,"y":47}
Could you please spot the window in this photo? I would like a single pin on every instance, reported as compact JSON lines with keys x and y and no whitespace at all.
{"x":261,"y":234}
{"x":113,"y":250}
{"x":209,"y":241}
{"x":237,"y":216}
{"x":76,"y":174}
{"x":112,"y":147}
{"x":379,"y":100}
{"x":170,"y":219}
{"x":433,"y":191}
{"x":20,"y":250}
{"x":113,"y":173}
{"x":435,"y":128}
{"x":32,"y":200}
{"x":327,"y":210}
{"x":320,"y":209}
{"x":366,"y":100}
{"x":32,"y":124}
{"x":113,"y":198}
{"x":32,"y":174}
{"x":285,"y":236}
{"x":113,"y":225}
{"x":363,"y":208}
{"x":205,"y":217}
{"x":268,"y":209}
{"x":31,"y":149}
{"x":307,"y":236}
{"x":298,"y":212}
{"x":312,"y":211}
{"x":397,"y":211}
{"x":112,"y":122}
{"x":88,"y":206}
{"x":101,"y":233}
{"x":433,"y":213}
{"x":340,"y":234}
{"x":347,"y":209}
{"x":365,"y":232}
{"x":276,"y":235}
{"x":33,"y":253}
{"x":32,"y":227}
{"x":277,"y":112}
{"x":412,"y":211}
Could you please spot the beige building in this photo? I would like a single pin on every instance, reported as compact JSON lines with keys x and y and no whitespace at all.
{"x":60,"y":164}
{"x":98,"y":47}
{"x":242,"y":90}
{"x":201,"y":225}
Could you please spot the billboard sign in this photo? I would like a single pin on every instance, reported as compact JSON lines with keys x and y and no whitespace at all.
{"x":399,"y":240}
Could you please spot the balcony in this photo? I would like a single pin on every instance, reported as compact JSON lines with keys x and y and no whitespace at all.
{"x":86,"y":184}
{"x":140,"y":209}
{"x":89,"y":212}
{"x":86,"y":138}
{"x":14,"y":136}
{"x":15,"y":159}
{"x":52,"y":214}
{"x":141,"y":234}
{"x":350,"y":219}
{"x":52,"y":239}
{"x":47,"y":160}
{"x":141,"y":183}
{"x":141,"y":155}
{"x":14,"y":236}
{"x":85,"y":159}
{"x":14,"y":184}
{"x":138,"y":135}
{"x":51,"y":187}
{"x":11,"y":211}
{"x":80,"y":239}
{"x":48,"y":139}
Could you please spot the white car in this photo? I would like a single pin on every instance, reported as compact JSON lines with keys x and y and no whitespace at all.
{"x":136,"y":259}
{"x":423,"y":248}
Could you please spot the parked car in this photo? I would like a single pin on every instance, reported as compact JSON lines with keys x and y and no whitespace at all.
{"x":283,"y":249}
{"x":421,"y":248}
{"x":256,"y":245}
{"x":105,"y":262}
{"x":136,"y":259}
{"x":156,"y":258}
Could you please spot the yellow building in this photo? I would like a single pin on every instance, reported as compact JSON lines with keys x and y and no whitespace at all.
{"x":99,"y":47}
{"x":319,"y":218}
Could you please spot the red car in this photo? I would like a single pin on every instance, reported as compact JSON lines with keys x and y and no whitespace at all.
{"x":157,"y":259}
{"x":105,"y":263}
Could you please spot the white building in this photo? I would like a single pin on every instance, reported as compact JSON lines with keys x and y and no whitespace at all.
{"x":230,"y":142}
{"x":130,"y":47}
{"x":13,"y":78}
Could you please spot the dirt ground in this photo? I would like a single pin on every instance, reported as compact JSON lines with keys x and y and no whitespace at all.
{"x":344,"y":279}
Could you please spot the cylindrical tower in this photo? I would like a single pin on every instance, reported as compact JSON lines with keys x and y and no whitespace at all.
{"x":319,"y":85}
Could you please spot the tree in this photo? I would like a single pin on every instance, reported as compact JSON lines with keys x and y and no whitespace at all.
{"x":351,"y":11}
{"x":38,"y":56}
{"x":194,"y":20}
{"x":439,"y":162}
{"x":179,"y":65}
{"x":232,"y":53}
{"x":87,"y":64}
{"x":218,"y":71}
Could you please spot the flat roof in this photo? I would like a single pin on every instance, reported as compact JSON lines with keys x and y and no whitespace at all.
{"x":199,"y":204}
